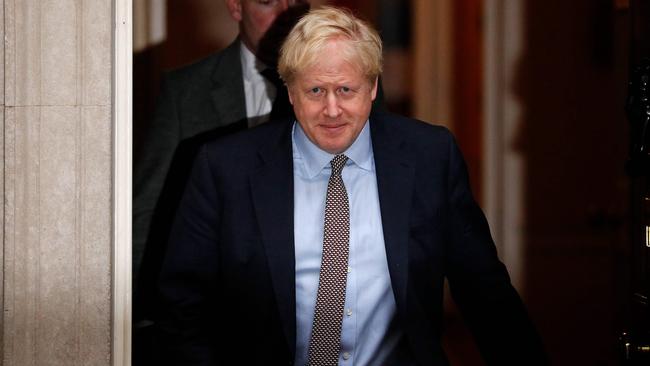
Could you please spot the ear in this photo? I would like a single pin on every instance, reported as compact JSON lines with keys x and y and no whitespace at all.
{"x":373,"y":93}
{"x":234,"y":8}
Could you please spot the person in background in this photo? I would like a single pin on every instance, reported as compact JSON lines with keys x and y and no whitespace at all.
{"x":325,"y":238}
{"x":228,"y":91}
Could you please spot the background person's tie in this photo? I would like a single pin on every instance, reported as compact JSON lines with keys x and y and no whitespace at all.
{"x":325,"y":343}
{"x":281,"y":107}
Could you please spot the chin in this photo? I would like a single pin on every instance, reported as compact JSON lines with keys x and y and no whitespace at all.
{"x":334,"y":148}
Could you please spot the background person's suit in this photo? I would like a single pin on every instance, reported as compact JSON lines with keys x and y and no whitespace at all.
{"x":229,"y":276}
{"x":196,"y":103}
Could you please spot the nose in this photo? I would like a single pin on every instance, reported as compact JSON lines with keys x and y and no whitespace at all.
{"x":332,"y":108}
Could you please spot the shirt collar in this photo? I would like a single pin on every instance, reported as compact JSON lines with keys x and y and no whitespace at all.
{"x":315,"y":159}
{"x":251,"y":66}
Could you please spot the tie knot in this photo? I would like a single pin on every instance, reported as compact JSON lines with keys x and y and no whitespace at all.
{"x":272,"y":76}
{"x":338,"y":163}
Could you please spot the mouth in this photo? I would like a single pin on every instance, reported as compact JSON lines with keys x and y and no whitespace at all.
{"x":333,"y":127}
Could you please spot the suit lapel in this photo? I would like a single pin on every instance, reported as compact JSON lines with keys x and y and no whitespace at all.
{"x":395,"y":174}
{"x":272,"y":192}
{"x":227,"y":94}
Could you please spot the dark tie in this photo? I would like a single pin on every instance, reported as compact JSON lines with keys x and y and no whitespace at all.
{"x":325,"y":343}
{"x":281,"y":106}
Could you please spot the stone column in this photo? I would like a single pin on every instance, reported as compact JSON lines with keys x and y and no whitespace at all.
{"x":57,"y":182}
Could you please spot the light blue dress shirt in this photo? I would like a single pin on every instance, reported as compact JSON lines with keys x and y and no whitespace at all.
{"x":368,"y":335}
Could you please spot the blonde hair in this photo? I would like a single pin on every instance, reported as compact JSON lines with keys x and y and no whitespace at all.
{"x":311,"y":35}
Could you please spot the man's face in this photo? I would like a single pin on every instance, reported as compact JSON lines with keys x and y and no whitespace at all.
{"x":332,"y":99}
{"x":255,"y":17}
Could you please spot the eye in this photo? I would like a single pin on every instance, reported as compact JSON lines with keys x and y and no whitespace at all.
{"x":316,"y":91}
{"x":346,"y":91}
{"x":269,"y":3}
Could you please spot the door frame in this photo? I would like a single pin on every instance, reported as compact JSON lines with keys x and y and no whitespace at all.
{"x":122,"y":100}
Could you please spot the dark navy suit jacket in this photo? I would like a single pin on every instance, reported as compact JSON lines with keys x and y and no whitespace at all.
{"x":228,"y":280}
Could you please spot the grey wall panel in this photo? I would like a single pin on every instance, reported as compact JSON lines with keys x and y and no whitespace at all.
{"x":57,"y":182}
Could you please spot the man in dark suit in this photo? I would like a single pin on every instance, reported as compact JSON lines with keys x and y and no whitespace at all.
{"x":325,"y":240}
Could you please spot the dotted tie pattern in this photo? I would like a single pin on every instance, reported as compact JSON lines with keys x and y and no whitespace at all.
{"x":325,"y":343}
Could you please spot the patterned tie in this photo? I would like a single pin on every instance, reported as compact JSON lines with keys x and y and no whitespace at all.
{"x":325,"y":344}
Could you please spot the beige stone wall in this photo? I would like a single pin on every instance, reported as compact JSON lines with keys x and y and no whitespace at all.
{"x":57,"y":182}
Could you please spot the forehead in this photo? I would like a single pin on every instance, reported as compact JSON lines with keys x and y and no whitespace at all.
{"x":332,"y":70}
{"x":335,"y":57}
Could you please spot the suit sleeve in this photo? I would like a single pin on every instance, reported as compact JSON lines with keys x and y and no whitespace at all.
{"x":152,"y":167}
{"x":479,"y":282}
{"x":189,"y":273}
